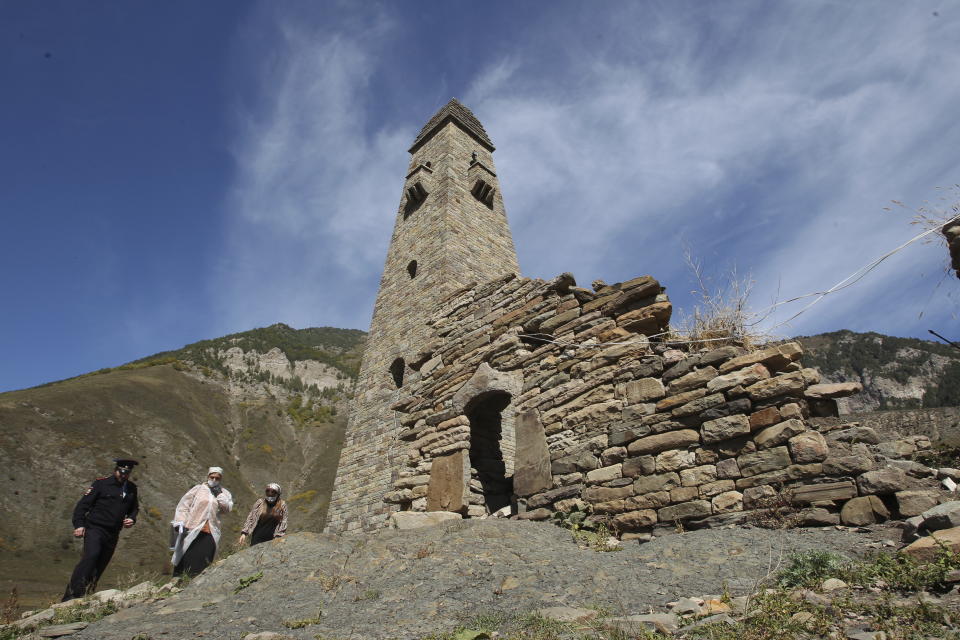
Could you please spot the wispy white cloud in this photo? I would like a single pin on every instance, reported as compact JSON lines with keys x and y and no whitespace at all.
{"x":766,"y":136}
{"x":308,"y":224}
{"x":773,"y":146}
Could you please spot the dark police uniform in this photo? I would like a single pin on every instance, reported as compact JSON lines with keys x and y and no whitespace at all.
{"x":100,"y":511}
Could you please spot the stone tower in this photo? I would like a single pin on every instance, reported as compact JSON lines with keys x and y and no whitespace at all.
{"x":451,"y":230}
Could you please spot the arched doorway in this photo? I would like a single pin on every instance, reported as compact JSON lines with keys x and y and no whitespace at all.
{"x":489,"y":468}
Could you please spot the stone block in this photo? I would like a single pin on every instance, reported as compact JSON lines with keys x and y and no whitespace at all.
{"x":915,"y":502}
{"x":647,"y":320}
{"x":752,"y":464}
{"x":817,"y":517}
{"x":698,"y":475}
{"x":882,"y":482}
{"x":684,"y":494}
{"x":744,"y":377}
{"x":741,"y":405}
{"x":699,"y":405}
{"x":809,"y":446}
{"x":656,"y":482}
{"x":644,"y":390}
{"x":692,"y":380}
{"x":613,"y":455}
{"x":706,"y":456}
{"x":727,"y":502}
{"x":416,"y":520}
{"x":536,"y":514}
{"x":833,"y":391}
{"x":774,"y":357}
{"x":764,"y":418}
{"x":685,"y":511}
{"x":561,"y":493}
{"x":604,"y":474}
{"x":823,"y":492}
{"x":672,"y":402}
{"x":653,"y":500}
{"x":791,"y":384}
{"x":725,"y":428}
{"x":675,"y":459}
{"x":620,"y":435}
{"x":449,"y":483}
{"x":864,"y":510}
{"x":897,"y":449}
{"x":728,"y":468}
{"x":606,"y":494}
{"x":679,"y":439}
{"x":856,"y":434}
{"x":778,"y":433}
{"x":847,"y":465}
{"x":680,"y":364}
{"x":759,"y":496}
{"x":639,"y":466}
{"x":717,"y":487}
{"x":633,"y":520}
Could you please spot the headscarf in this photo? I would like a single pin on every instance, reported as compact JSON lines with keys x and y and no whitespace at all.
{"x":272,"y":500}
{"x":215,"y":470}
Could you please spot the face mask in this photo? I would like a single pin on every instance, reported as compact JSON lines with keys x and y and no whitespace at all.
{"x":271,"y":499}
{"x":213,"y":484}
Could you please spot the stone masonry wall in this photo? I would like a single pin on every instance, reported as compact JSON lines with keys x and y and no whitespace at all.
{"x":640,"y":433}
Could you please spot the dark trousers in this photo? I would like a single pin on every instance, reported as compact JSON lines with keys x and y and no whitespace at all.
{"x":98,"y":547}
{"x":198,"y":555}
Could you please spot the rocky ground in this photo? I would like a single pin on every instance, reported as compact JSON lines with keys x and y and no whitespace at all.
{"x":409,"y":584}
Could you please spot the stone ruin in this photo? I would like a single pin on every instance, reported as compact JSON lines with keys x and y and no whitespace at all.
{"x":541,"y":397}
{"x":485,"y":394}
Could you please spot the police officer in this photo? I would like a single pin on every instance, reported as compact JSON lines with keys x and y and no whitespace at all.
{"x":108,"y":505}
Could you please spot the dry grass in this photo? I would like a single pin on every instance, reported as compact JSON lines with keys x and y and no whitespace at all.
{"x":721,"y":316}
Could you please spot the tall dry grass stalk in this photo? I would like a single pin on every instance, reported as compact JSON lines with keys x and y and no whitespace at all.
{"x":721,"y":316}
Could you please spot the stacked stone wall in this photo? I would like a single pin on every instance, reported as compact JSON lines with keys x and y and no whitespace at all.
{"x":640,"y":433}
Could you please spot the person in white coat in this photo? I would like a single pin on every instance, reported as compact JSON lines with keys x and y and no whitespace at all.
{"x":198,"y":520}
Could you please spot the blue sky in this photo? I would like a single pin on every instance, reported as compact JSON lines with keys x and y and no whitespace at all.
{"x":178,"y":171}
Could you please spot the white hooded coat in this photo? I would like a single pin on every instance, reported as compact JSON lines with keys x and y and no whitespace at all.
{"x":196,"y":507}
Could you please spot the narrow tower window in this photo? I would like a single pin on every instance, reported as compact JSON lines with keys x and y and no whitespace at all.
{"x":396,"y":371}
{"x":416,"y":194}
{"x":412,"y":269}
{"x":483,"y":192}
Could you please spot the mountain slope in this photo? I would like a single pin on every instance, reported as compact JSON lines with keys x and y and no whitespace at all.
{"x":896,"y":373}
{"x":236,"y":402}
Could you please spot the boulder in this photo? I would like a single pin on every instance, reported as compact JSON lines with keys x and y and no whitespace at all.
{"x":882,"y":482}
{"x":944,"y":516}
{"x":929,"y":547}
{"x":859,"y":512}
{"x":809,"y":446}
{"x":914,"y":502}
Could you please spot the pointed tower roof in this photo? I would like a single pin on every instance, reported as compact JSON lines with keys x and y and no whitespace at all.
{"x":461,"y":116}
